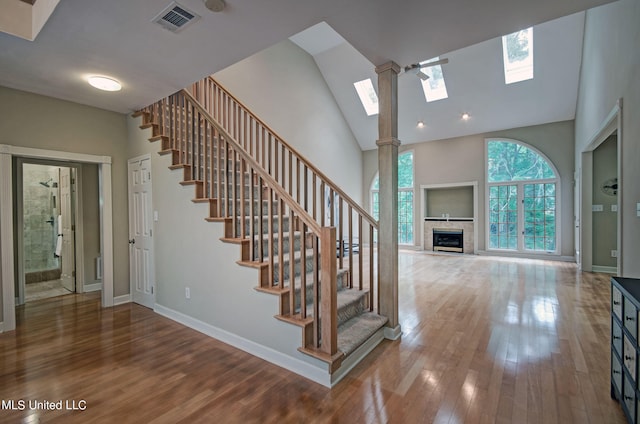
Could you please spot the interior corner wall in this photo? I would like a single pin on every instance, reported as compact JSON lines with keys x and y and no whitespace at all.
{"x":90,"y":220}
{"x":461,"y":159}
{"x":609,"y":72}
{"x":41,"y":122}
{"x":188,"y":252}
{"x":283,"y":86}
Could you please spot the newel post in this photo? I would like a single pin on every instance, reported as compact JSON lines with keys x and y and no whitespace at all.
{"x":328,"y":291}
{"x":388,"y":196}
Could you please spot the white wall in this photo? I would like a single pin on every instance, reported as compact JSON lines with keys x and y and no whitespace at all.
{"x":610,"y":71}
{"x":283,"y":86}
{"x":462,"y":159}
{"x":188,"y":253}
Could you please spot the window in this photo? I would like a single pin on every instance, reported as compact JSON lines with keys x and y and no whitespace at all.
{"x":405,"y":198}
{"x":517,"y":55}
{"x":368,"y":96}
{"x":522,"y":197}
{"x":434,"y":88}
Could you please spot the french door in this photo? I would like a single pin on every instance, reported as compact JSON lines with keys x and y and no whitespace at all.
{"x":522,"y":216}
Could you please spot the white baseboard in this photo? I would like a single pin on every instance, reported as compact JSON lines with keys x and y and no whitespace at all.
{"x":92,"y":287}
{"x":119,"y":300}
{"x":540,"y":256}
{"x":1,"y":327}
{"x":280,"y":359}
{"x":605,"y":269}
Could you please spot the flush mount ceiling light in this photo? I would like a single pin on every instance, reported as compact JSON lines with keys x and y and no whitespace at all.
{"x":465,"y":116}
{"x":420,"y":124}
{"x":104,"y":83}
{"x":214,"y":5}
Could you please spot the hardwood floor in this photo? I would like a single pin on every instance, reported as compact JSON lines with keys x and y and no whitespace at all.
{"x":484,"y":340}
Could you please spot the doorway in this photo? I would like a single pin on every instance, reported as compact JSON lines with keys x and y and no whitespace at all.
{"x":47,"y":210}
{"x":601,"y":193}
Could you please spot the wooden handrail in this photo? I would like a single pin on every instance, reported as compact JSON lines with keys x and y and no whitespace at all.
{"x":271,"y":183}
{"x":214,"y":139}
{"x":367,"y":217}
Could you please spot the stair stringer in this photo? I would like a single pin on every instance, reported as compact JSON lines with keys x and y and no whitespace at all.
{"x":223,"y":301}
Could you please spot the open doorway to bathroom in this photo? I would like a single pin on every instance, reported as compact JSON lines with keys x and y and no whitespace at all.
{"x":57,"y":231}
{"x":48,"y":236}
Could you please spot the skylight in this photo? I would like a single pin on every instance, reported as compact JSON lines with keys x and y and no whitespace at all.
{"x":434,"y":88}
{"x":368,"y":96}
{"x":517,"y":54}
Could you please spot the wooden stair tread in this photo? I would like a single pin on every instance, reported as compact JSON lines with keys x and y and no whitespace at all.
{"x":358,"y":330}
{"x":296,"y":319}
{"x":191,"y":182}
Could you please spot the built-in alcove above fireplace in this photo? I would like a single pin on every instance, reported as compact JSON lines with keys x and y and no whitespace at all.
{"x":449,"y":214}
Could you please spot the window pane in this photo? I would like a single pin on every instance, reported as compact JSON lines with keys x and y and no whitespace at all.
{"x":405,"y":170}
{"x":503,"y":217}
{"x":539,"y":217}
{"x":509,"y":161}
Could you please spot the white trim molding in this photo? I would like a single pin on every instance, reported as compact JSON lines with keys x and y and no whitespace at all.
{"x":121,"y":300}
{"x":7,"y":153}
{"x":280,"y":359}
{"x":94,"y":286}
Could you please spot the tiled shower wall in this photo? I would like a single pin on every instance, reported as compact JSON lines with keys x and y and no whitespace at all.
{"x":41,"y":204}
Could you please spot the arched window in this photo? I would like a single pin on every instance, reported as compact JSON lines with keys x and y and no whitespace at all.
{"x":521,"y":198}
{"x":405,"y":198}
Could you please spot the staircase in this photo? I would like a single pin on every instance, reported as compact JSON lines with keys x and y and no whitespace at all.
{"x":310,"y":244}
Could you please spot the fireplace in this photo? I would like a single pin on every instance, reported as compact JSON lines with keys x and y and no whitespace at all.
{"x":447,"y":239}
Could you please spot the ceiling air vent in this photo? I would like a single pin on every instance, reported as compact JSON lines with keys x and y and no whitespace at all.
{"x":175,"y":17}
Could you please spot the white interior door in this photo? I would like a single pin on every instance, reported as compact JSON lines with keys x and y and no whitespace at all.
{"x":140,"y":232}
{"x":66,"y":230}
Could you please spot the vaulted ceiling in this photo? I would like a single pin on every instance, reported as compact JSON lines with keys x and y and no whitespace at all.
{"x":117,"y":38}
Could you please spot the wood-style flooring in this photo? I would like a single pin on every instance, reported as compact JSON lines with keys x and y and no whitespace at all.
{"x":484,"y":340}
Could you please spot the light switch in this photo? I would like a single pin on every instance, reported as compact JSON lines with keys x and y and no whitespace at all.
{"x":155,"y":216}
{"x":597,"y":208}
{"x":614,"y":208}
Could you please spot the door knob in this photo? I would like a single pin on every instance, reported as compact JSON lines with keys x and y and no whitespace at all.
{"x":132,"y":241}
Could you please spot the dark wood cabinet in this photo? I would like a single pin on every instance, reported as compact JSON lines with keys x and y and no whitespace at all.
{"x":625,"y":304}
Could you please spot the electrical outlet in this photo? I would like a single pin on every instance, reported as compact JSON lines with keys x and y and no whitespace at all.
{"x":614,"y":208}
{"x":614,"y":253}
{"x":187,"y":293}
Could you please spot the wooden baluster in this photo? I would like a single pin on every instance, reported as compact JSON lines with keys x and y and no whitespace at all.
{"x":340,"y":234}
{"x":329,"y":293}
{"x":350,"y":241}
{"x":270,"y":249}
{"x":262,"y":142}
{"x":316,"y":291}
{"x":315,"y":196}
{"x":276,"y":169}
{"x":323,"y":203}
{"x":283,"y":155}
{"x":212,"y":165}
{"x":360,"y":252}
{"x":234,"y":198}
{"x":306,"y":189}
{"x":243,"y":195}
{"x":269,"y":154}
{"x":219,"y":164}
{"x":260,"y":220}
{"x":290,"y":173}
{"x":281,"y":211}
{"x":298,"y":180}
{"x":303,"y":272}
{"x":292,"y":265}
{"x":371,"y":275}
{"x":252,"y":223}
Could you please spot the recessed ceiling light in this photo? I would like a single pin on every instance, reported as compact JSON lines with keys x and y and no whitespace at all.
{"x":104,"y":83}
{"x":465,"y":116}
{"x":420,"y":124}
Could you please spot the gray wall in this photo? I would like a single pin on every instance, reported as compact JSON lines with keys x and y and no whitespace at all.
{"x":604,"y":223}
{"x":283,"y":86}
{"x":610,"y":71}
{"x":90,"y":220}
{"x":462,"y":159}
{"x":35,"y":121}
